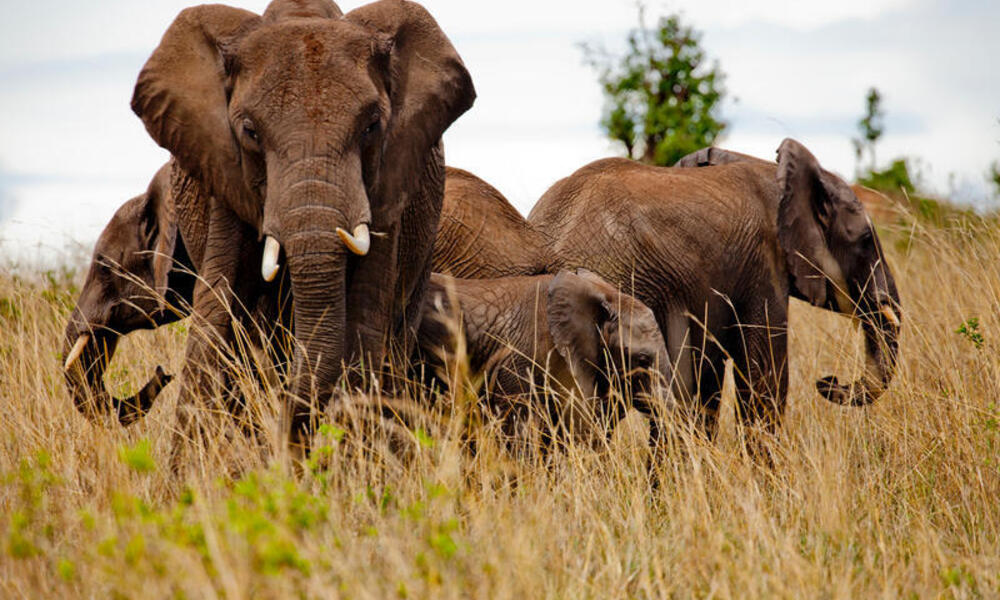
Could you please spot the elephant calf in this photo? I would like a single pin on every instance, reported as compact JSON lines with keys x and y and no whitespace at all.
{"x":140,"y":269}
{"x":572,"y":333}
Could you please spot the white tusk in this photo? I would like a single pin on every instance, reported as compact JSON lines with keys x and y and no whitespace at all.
{"x":269,"y":265}
{"x":360,"y":242}
{"x":74,"y":354}
{"x":890,"y":315}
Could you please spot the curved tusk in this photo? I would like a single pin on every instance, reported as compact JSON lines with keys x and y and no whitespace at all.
{"x":360,"y":242}
{"x":74,"y":354}
{"x":269,"y":264}
{"x":890,"y":315}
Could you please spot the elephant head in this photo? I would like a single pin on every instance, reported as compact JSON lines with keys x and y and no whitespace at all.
{"x":835,"y":261}
{"x":601,"y":332}
{"x":130,"y":281}
{"x":314,"y":127}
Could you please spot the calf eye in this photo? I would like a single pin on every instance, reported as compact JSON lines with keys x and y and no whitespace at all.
{"x":371,"y":129}
{"x":642,"y":360}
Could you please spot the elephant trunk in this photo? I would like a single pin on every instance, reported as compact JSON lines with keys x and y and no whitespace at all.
{"x":317,"y":263}
{"x":881,"y":325}
{"x":86,"y":354}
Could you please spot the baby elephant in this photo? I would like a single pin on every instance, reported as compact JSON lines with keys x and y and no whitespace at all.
{"x":140,"y":269}
{"x":572,"y":333}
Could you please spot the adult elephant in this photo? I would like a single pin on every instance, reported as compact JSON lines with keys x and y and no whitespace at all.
{"x":716,"y":252}
{"x":309,"y":129}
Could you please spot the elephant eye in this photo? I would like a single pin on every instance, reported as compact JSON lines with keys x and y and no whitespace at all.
{"x":371,"y":129}
{"x":250,"y":130}
{"x":642,"y":360}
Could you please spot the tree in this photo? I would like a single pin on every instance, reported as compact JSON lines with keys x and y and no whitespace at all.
{"x":871,"y":127}
{"x":662,"y":99}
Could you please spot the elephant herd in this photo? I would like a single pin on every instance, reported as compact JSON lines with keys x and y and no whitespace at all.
{"x":307,"y":199}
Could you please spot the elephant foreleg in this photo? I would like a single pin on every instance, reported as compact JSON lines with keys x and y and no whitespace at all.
{"x":206,"y":384}
{"x":760,"y":374}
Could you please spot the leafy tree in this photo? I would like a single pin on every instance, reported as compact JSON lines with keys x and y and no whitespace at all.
{"x":894,"y":179}
{"x":871,"y":127}
{"x":662,"y":99}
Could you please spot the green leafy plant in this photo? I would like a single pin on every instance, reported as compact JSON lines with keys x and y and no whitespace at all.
{"x":870,"y":127}
{"x":138,"y":457}
{"x":662,"y":96}
{"x":970,"y":331}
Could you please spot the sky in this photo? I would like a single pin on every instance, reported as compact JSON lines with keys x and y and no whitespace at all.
{"x":71,"y":151}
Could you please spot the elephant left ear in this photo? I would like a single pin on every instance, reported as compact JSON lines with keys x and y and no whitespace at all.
{"x":428,"y":85}
{"x":577,"y":310}
{"x":810,"y":200}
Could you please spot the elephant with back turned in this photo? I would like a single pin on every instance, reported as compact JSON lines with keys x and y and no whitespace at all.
{"x":482,"y":236}
{"x":319,"y":134}
{"x":716,"y":252}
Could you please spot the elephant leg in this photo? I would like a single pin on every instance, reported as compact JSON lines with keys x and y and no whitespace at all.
{"x":206,"y":384}
{"x":760,"y":371}
{"x":710,"y":370}
{"x":676,"y":331}
{"x":699,"y":368}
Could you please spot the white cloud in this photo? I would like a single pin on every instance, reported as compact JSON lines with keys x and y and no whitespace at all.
{"x":798,"y":68}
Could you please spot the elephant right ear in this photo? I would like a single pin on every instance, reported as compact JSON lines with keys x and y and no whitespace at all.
{"x":181,"y":95}
{"x":805,"y":211}
{"x":712,"y":156}
{"x":576,"y":311}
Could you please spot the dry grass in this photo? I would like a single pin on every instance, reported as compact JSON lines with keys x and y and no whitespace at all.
{"x":899,"y":499}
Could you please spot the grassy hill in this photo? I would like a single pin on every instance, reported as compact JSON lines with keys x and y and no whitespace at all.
{"x":897,"y":500}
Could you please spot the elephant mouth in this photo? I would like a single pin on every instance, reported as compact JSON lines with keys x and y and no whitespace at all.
{"x":87,"y":352}
{"x":881,"y":324}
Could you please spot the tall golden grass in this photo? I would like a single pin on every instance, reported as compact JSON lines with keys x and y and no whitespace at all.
{"x":897,"y":499}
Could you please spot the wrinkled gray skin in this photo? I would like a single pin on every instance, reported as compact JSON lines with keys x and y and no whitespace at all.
{"x":297,"y":123}
{"x":572,"y":333}
{"x":139,"y":278}
{"x":482,"y":236}
{"x":717,"y":251}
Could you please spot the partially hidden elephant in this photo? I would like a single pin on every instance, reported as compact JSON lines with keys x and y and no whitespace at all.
{"x":140,"y":277}
{"x":316,"y":137}
{"x":482,"y":236}
{"x":717,"y":251}
{"x":572,"y":334}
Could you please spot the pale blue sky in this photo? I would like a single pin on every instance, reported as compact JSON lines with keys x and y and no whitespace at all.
{"x":71,"y":151}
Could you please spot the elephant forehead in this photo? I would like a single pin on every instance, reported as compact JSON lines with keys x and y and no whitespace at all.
{"x":307,"y":58}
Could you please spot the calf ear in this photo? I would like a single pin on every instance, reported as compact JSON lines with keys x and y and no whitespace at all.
{"x":161,"y":220}
{"x":805,"y":212}
{"x":577,"y":309}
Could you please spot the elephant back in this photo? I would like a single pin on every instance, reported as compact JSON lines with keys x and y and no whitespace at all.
{"x":481,"y":235}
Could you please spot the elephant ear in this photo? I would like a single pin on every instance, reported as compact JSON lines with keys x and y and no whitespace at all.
{"x":712,"y":156}
{"x":577,"y":310}
{"x":699,"y":158}
{"x":807,"y":207}
{"x":428,"y":85}
{"x":161,"y":217}
{"x":181,"y":97}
